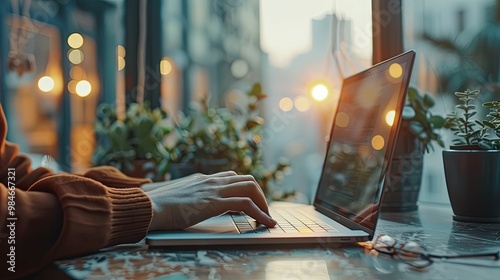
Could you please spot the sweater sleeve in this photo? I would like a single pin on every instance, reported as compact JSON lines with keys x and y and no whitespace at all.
{"x":62,"y":216}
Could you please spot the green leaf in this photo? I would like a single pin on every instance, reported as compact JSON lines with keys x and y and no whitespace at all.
{"x":485,"y":145}
{"x":469,"y":115}
{"x":472,"y":92}
{"x":416,"y":128}
{"x":437,"y":121}
{"x":428,"y":100}
{"x":489,"y":124}
{"x":412,"y":94}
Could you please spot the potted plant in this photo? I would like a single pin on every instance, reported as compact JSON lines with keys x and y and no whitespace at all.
{"x":217,"y":139}
{"x":472,"y":164}
{"x":419,"y":130}
{"x":131,"y":144}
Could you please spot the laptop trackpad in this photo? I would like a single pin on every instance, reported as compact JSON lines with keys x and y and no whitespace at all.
{"x":219,"y":224}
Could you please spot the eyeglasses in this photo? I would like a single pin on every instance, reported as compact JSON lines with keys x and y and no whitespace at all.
{"x":415,"y":254}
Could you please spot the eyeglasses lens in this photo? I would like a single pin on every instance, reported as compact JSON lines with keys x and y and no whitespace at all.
{"x":385,"y":244}
{"x":414,"y":254}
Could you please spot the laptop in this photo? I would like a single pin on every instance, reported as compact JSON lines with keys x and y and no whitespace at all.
{"x":347,"y":200}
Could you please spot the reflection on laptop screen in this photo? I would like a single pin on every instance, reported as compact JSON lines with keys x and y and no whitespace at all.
{"x":361,"y":139}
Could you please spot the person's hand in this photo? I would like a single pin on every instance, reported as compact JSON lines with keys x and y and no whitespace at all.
{"x":187,"y":201}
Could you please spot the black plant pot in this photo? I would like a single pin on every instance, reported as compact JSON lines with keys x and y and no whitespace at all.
{"x":402,"y":184}
{"x":473,"y":182}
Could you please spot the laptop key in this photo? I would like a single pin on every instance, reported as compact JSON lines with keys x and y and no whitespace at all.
{"x":276,"y":230}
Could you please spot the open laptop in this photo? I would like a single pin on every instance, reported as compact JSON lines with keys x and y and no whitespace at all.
{"x":348,"y":196}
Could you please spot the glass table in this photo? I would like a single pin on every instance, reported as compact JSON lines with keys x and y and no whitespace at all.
{"x":432,"y":226}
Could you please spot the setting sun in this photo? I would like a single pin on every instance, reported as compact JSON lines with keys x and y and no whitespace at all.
{"x":319,"y":92}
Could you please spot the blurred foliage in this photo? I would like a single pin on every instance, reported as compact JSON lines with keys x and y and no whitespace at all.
{"x":421,"y":121}
{"x":217,"y":139}
{"x":137,"y":137}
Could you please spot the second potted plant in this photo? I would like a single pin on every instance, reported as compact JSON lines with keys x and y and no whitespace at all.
{"x":472,"y":165}
{"x":419,"y":130}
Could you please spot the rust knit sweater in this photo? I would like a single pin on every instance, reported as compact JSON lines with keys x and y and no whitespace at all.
{"x":55,"y":216}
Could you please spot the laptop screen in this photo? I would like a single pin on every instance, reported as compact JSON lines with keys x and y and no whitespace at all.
{"x":362,"y":140}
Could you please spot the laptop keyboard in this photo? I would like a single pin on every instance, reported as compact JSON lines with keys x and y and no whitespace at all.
{"x":289,"y":221}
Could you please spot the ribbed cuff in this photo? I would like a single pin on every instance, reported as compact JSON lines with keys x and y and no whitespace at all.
{"x":128,"y":224}
{"x":96,"y":216}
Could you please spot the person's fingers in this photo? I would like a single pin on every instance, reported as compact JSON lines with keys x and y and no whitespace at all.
{"x":226,"y":180}
{"x":248,"y":189}
{"x":246,"y":205}
{"x":248,"y":178}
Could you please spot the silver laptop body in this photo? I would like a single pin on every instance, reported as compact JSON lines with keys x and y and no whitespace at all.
{"x":348,"y":196}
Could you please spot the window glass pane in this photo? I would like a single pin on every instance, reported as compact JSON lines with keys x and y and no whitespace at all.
{"x":309,"y":46}
{"x":34,"y":94}
{"x":457,"y":45}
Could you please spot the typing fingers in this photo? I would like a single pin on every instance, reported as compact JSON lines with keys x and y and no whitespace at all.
{"x":249,"y":189}
{"x":246,"y":205}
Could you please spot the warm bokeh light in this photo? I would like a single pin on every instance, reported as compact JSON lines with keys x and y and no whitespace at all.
{"x":72,"y":86}
{"x":302,"y":103}
{"x":121,"y":63}
{"x":75,"y":56}
{"x":395,"y":70}
{"x":319,"y":92}
{"x":165,"y":66}
{"x":77,"y":73}
{"x":389,"y":117}
{"x":83,"y":88}
{"x":342,"y":119}
{"x":46,"y":83}
{"x":378,"y":142}
{"x":75,"y":40}
{"x":120,"y":51}
{"x":286,"y":104}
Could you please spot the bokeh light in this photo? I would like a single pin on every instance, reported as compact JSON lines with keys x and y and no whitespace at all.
{"x":75,"y":40}
{"x":83,"y":88}
{"x":121,"y":63}
{"x":75,"y":56}
{"x":395,"y":70}
{"x":378,"y":142}
{"x":342,"y":119}
{"x":46,"y":83}
{"x":286,"y":104}
{"x":72,"y":86}
{"x":389,"y":117}
{"x":319,"y":92}
{"x":165,"y":66}
{"x":77,"y":73}
{"x":120,"y":51}
{"x":302,"y":103}
{"x":239,"y":68}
